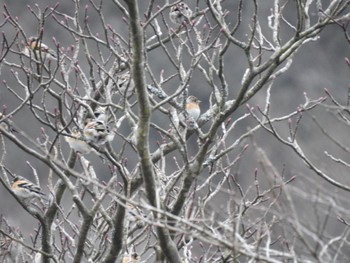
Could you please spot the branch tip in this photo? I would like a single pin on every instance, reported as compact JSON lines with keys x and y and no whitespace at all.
{"x":291,"y":179}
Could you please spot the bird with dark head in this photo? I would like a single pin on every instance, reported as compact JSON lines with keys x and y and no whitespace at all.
{"x":180,"y":13}
{"x":96,"y":131}
{"x":25,"y":189}
{"x":100,"y":113}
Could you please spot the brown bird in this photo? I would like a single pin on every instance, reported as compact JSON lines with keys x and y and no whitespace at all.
{"x":192,"y":107}
{"x":132,"y":258}
{"x":38,"y":50}
{"x":193,"y":111}
{"x":25,"y":189}
{"x":97,"y":132}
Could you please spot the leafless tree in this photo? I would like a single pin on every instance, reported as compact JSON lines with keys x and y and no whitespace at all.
{"x":130,"y":175}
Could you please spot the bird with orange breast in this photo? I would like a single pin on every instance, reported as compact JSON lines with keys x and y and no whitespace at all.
{"x":25,"y":189}
{"x":192,"y":107}
{"x":38,"y":50}
{"x":192,"y":112}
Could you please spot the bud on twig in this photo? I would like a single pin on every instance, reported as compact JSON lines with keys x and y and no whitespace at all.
{"x":347,"y":61}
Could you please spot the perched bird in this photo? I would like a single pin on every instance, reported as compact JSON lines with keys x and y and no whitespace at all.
{"x":77,"y":143}
{"x":125,"y":84}
{"x":25,"y":189}
{"x":38,"y":50}
{"x":100,"y":114}
{"x":97,"y":132}
{"x":192,"y":107}
{"x":135,"y":214}
{"x":132,"y":258}
{"x":180,"y":13}
{"x":190,"y":117}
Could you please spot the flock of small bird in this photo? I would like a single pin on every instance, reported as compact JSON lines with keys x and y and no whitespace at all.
{"x":95,"y":131}
{"x":179,"y":14}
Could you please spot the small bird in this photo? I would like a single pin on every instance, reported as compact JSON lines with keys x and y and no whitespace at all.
{"x":97,"y":132}
{"x":125,"y":84}
{"x":180,"y":13}
{"x":193,"y":111}
{"x":77,"y":143}
{"x":101,"y":114}
{"x":192,"y":107}
{"x":25,"y":189}
{"x":132,"y":258}
{"x":38,"y":50}
{"x":135,"y":214}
